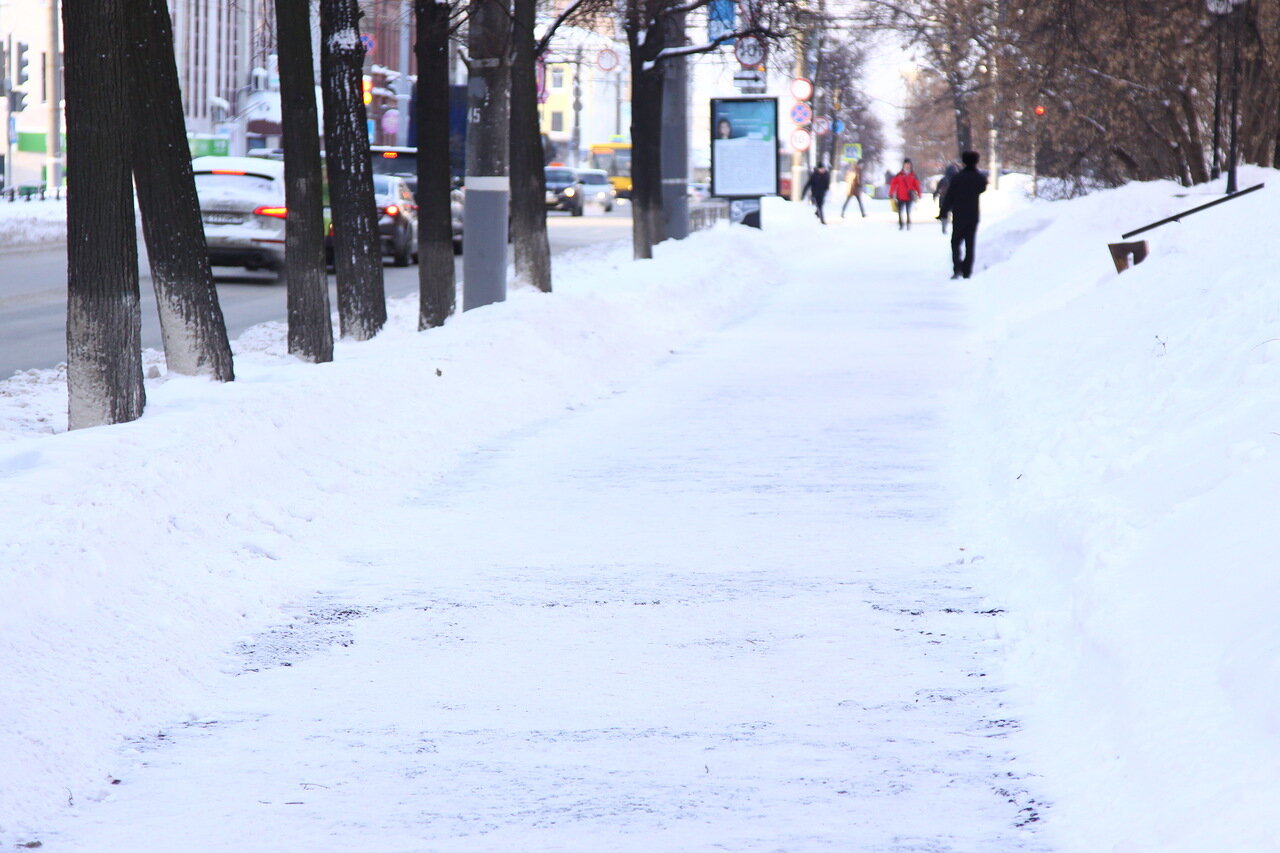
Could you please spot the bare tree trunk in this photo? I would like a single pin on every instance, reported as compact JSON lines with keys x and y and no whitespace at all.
{"x":960,"y":106}
{"x":357,"y":248}
{"x":646,"y":139}
{"x":437,"y":283}
{"x":310,"y":329}
{"x":195,"y":336}
{"x":528,"y":180}
{"x":104,"y":320}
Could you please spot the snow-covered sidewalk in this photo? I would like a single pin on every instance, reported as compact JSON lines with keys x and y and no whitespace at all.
{"x":721,"y":609}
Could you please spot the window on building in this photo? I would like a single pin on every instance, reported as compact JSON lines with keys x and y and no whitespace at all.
{"x":557,"y":122}
{"x":557,"y":78}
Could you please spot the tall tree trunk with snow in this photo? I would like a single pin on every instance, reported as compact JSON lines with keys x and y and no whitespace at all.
{"x":528,"y":180}
{"x":645,"y":42}
{"x":310,"y":329}
{"x":104,"y":320}
{"x":437,"y":283}
{"x":191,"y":324}
{"x":357,"y":247}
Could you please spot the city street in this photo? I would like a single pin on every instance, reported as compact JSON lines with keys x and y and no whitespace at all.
{"x":33,"y":285}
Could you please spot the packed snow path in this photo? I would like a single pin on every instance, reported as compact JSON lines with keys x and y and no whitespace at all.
{"x":719,"y":610}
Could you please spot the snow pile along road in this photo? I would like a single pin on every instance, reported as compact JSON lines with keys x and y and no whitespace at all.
{"x":32,"y":223}
{"x":135,"y":556}
{"x":1127,"y":431}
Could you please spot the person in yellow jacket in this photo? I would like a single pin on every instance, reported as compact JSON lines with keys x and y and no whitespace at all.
{"x":854,"y":177}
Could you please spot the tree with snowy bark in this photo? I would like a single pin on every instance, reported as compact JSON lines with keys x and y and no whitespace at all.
{"x":435,"y":23}
{"x":191,"y":323}
{"x":310,"y":330}
{"x":104,"y":320}
{"x":357,"y":247}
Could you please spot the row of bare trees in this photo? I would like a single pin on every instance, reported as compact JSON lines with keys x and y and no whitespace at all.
{"x":1129,"y":89}
{"x":126,"y":129}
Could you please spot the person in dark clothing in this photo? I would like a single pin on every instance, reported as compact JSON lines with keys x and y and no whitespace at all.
{"x":961,"y":201}
{"x":940,"y":190}
{"x":817,"y":185}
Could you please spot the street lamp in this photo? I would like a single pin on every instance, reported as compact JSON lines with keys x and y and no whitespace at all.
{"x":1221,"y":9}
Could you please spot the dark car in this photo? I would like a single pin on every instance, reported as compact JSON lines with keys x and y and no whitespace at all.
{"x":564,"y":190}
{"x":397,"y":220}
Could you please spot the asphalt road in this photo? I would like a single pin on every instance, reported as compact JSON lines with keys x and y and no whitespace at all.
{"x":33,"y":291}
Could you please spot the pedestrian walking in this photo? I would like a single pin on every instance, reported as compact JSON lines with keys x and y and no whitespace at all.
{"x":961,"y":201}
{"x":854,"y":177}
{"x":817,"y":185}
{"x":904,"y":189}
{"x":940,"y":191}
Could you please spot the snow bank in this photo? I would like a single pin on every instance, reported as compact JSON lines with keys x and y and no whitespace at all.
{"x":1125,"y":431}
{"x":135,"y":556}
{"x":25,"y":223}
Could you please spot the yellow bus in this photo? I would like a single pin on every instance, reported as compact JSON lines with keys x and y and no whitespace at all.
{"x":614,"y":158}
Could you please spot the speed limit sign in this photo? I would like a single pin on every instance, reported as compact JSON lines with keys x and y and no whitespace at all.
{"x":801,"y":139}
{"x":749,"y":51}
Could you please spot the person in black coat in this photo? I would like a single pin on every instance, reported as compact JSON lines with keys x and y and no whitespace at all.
{"x":961,"y":201}
{"x":817,"y":185}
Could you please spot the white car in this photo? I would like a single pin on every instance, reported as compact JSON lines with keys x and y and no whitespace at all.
{"x":243,"y":209}
{"x":597,"y":188}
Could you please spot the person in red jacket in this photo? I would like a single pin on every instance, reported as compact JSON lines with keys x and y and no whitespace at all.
{"x":904,"y":189}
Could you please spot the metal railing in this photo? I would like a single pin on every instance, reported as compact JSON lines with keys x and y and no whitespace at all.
{"x":704,"y":214}
{"x":33,"y":193}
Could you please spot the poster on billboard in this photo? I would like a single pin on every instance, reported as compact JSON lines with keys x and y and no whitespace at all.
{"x":744,"y":147}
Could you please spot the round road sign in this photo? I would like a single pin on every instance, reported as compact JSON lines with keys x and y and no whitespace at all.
{"x":607,"y":60}
{"x":822,"y":125}
{"x":801,"y":88}
{"x":801,"y":114}
{"x":801,"y":139}
{"x":749,"y":51}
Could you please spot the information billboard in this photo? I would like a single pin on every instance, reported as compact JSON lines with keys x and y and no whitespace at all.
{"x":744,"y":147}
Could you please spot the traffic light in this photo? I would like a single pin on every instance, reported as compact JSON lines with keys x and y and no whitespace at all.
{"x":20,"y":63}
{"x":17,"y":101}
{"x":366,"y":85}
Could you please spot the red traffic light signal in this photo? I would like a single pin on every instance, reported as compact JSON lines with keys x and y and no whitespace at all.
{"x":1039,"y":110}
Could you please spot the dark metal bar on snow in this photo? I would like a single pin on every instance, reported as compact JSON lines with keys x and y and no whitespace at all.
{"x":1178,"y":217}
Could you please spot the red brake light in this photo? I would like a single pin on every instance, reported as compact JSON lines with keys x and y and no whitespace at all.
{"x":391,"y":210}
{"x":227,"y":172}
{"x":390,"y":155}
{"x":278,"y":212}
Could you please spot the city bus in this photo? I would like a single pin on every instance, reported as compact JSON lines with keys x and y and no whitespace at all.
{"x":615,"y":159}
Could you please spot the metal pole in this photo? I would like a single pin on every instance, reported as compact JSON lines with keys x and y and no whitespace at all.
{"x":797,"y":162}
{"x":577,"y":107}
{"x":9,"y":119}
{"x":488,"y":185}
{"x":53,"y":176}
{"x":403,"y":88}
{"x":1233,"y":151}
{"x":675,"y":136}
